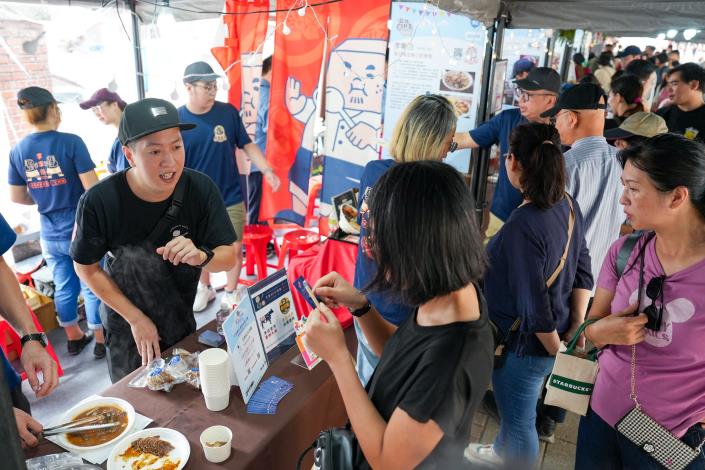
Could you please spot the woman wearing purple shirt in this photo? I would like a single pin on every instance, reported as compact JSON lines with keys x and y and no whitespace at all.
{"x":667,"y":201}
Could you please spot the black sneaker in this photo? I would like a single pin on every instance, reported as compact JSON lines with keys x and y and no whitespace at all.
{"x":489,"y":405}
{"x":99,"y":350}
{"x":546,"y":427}
{"x":77,"y":345}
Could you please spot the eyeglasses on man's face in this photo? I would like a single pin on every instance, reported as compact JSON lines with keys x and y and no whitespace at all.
{"x":525,"y":96}
{"x":211,"y":87}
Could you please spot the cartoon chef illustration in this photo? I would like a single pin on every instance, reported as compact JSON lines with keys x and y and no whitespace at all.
{"x":353,"y":101}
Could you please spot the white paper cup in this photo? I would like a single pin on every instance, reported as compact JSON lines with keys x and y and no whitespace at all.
{"x":217,"y":434}
{"x":217,"y":402}
{"x":213,"y":365}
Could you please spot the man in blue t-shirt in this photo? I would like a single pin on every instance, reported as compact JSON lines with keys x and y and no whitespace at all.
{"x":34,"y":357}
{"x":108,"y":107}
{"x":210,"y":148}
{"x":539,"y":92}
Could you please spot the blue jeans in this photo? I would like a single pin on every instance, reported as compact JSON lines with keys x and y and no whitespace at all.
{"x":68,"y":285}
{"x":601,"y":446}
{"x":517,"y":387}
{"x":366,"y":359}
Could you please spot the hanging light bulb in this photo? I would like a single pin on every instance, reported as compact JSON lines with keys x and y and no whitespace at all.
{"x":661,"y":36}
{"x":286,"y":30}
{"x":174,"y":95}
{"x":302,"y":11}
{"x":689,"y":34}
{"x":671,"y":33}
{"x":113,"y":86}
{"x":165,"y":18}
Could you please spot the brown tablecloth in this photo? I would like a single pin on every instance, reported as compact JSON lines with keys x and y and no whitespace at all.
{"x":259,"y":441}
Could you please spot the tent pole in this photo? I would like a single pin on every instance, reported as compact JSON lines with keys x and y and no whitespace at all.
{"x":137,"y":47}
{"x":479,"y":162}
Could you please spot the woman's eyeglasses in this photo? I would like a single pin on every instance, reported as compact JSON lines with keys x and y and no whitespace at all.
{"x":654,"y":291}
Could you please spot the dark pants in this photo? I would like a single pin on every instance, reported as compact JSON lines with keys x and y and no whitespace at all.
{"x":20,"y":401}
{"x":254,"y":197}
{"x":601,"y":446}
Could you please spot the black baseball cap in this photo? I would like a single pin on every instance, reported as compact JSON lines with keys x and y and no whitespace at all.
{"x":199,"y":72}
{"x":33,"y":96}
{"x":581,"y":96}
{"x":629,"y":50}
{"x":148,"y":116}
{"x":541,"y":78}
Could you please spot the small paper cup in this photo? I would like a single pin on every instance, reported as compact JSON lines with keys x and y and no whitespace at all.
{"x":217,"y":434}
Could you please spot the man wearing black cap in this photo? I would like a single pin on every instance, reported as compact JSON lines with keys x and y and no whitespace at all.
{"x":591,"y":165}
{"x":628,"y":54}
{"x":211,"y":150}
{"x":108,"y":107}
{"x":159,"y":224}
{"x":539,"y":91}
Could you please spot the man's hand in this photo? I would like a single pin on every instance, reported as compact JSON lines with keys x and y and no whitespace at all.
{"x":272,"y":179}
{"x":35,"y":359}
{"x":146,"y":338}
{"x":568,"y":335}
{"x":362,"y":135}
{"x":27,"y":428}
{"x":334,"y":291}
{"x":182,"y":250}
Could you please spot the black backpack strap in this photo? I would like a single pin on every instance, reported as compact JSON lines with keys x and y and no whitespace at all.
{"x":172,"y":212}
{"x":625,"y":252}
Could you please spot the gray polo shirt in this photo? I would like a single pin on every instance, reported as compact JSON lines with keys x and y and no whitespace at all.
{"x":593,"y":179}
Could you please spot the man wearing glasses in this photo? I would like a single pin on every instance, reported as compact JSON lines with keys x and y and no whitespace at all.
{"x":538,"y":92}
{"x":686,"y":84}
{"x":210,"y":149}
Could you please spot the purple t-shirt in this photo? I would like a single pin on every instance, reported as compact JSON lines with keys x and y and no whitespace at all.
{"x":670,"y":363}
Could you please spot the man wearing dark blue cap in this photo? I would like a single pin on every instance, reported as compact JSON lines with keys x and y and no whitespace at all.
{"x":160,"y":224}
{"x":108,"y":106}
{"x":539,"y":91}
{"x":628,"y":54}
{"x":211,"y":149}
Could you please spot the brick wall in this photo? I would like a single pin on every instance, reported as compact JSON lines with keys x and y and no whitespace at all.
{"x":13,"y":78}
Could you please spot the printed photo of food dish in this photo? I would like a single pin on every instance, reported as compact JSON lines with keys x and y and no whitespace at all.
{"x":461,"y":105}
{"x":458,"y":81}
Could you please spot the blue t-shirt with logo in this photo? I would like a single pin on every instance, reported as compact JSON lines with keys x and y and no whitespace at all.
{"x":210,"y":147}
{"x":388,"y":304}
{"x":117,"y":160}
{"x":49,"y":163}
{"x":7,"y":239}
{"x":497,"y":131}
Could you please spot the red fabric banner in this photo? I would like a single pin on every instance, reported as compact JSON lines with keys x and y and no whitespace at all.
{"x":353,"y":59}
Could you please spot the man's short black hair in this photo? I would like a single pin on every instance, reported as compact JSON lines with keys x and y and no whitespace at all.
{"x":605,"y":58}
{"x":662,"y":58}
{"x":267,"y":65}
{"x":423,"y":232}
{"x":690,"y":71}
{"x":640,"y":68}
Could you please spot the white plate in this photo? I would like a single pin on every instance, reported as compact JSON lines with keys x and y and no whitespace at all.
{"x":181,"y":450}
{"x":92,"y":403}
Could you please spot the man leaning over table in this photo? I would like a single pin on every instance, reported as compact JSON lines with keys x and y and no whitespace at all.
{"x":159,"y":223}
{"x":539,"y":91}
{"x":34,"y":358}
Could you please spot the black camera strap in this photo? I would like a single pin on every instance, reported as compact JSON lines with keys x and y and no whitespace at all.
{"x":172,"y":212}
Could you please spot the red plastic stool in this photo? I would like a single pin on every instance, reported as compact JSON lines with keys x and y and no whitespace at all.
{"x":295,"y":241}
{"x":314,"y":189}
{"x":255,"y":240}
{"x":10,"y":341}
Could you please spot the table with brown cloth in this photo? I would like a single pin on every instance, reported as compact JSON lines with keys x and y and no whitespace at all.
{"x":259,"y":441}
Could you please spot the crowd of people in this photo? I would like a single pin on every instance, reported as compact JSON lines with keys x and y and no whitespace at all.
{"x":432,"y":295}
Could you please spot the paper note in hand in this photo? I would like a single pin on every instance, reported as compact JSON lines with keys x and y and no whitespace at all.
{"x":304,"y":289}
{"x":309,"y":357}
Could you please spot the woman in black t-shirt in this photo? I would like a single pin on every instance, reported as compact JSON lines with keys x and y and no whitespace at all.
{"x":417,"y":410}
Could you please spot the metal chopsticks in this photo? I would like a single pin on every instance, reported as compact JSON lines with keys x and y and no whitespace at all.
{"x":92,"y":427}
{"x":76,"y":422}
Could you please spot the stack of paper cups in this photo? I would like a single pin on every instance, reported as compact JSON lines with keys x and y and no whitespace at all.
{"x":213,"y":365}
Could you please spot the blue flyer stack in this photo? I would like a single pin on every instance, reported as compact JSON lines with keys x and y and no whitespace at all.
{"x":265,"y":400}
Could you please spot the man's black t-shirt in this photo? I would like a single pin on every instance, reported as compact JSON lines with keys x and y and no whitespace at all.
{"x":439,"y":373}
{"x":111,"y":218}
{"x":685,"y":122}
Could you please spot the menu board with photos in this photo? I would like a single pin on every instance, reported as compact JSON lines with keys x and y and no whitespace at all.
{"x":434,"y":51}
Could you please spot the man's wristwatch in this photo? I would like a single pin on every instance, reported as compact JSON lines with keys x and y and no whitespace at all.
{"x":361,"y":311}
{"x":40,"y":337}
{"x":209,"y":255}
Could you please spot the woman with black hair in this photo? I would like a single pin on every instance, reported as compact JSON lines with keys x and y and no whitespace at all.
{"x":655,"y":358}
{"x":538,"y":286}
{"x":624,"y":99}
{"x":605,"y":70}
{"x":418,"y":407}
